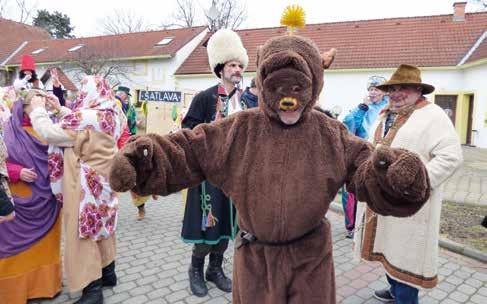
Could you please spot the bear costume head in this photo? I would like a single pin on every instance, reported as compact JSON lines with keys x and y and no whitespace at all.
{"x":289,"y":78}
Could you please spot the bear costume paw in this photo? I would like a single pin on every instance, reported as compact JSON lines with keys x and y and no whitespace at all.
{"x":131,"y":163}
{"x":394,"y":182}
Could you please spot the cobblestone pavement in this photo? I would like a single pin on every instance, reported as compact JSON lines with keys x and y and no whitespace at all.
{"x":469,"y":183}
{"x":152,"y":265}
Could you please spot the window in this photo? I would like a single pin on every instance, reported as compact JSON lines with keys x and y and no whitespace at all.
{"x":165,"y":41}
{"x":75,"y":48}
{"x":38,"y":51}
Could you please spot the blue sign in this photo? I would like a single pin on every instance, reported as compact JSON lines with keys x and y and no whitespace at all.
{"x":161,"y":96}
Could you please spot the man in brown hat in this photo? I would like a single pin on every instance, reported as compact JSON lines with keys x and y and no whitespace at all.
{"x":408,"y":247}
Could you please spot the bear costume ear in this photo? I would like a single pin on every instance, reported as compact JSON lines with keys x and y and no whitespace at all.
{"x":258,"y":56}
{"x":327,"y":58}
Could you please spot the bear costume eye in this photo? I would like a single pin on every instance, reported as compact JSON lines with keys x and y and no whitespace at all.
{"x":296,"y":89}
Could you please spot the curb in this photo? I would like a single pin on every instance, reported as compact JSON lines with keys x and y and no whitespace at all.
{"x":444,"y":243}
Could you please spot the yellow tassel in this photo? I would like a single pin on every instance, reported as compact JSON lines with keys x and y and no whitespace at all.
{"x":293,"y":17}
{"x":143,"y":107}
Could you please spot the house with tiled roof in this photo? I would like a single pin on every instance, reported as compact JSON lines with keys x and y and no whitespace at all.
{"x":142,"y":61}
{"x":148,"y":59}
{"x":451,"y":51}
{"x":13,"y":36}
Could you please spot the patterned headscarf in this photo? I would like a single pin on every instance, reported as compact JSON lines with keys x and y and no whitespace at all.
{"x":7,"y":99}
{"x":95,"y":109}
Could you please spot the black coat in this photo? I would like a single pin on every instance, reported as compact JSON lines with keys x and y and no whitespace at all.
{"x":203,"y":110}
{"x":6,"y":206}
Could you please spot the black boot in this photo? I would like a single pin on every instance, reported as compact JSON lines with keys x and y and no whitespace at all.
{"x":92,"y":294}
{"x":109,"y":277}
{"x":215,"y":274}
{"x":196,"y":280}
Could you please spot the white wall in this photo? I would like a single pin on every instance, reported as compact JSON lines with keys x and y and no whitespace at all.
{"x":158,"y":74}
{"x":203,"y":82}
{"x":195,"y":83}
{"x":476,"y":80}
{"x":347,"y":90}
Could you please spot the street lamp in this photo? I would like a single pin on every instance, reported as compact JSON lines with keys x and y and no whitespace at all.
{"x":212,"y":16}
{"x":213,"y":11}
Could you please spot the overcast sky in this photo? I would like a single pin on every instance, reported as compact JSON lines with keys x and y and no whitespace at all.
{"x":85,"y":15}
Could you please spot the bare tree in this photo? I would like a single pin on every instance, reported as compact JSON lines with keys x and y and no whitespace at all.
{"x":481,"y":3}
{"x":21,"y":10}
{"x":122,"y":21}
{"x":96,"y":62}
{"x":3,"y":8}
{"x":225,"y":14}
{"x":25,"y":10}
{"x":183,"y":16}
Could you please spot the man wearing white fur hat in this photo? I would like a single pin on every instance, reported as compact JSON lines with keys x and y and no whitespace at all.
{"x":209,"y":218}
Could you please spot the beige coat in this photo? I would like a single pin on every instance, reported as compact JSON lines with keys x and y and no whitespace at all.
{"x":408,"y":247}
{"x":83,"y":258}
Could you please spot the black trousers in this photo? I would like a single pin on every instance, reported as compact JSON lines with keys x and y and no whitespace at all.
{"x":202,"y":250}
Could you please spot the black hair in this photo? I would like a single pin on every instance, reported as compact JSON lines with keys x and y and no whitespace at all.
{"x":32,"y":79}
{"x":326,"y":112}
{"x":252,"y":83}
{"x":218,"y":69}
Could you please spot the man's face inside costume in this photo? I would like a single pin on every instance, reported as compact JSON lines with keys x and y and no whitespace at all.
{"x":232,"y":71}
{"x":289,"y":89}
{"x":289,"y":78}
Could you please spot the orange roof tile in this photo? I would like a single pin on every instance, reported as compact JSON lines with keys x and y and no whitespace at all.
{"x":479,"y":53}
{"x":13,"y":34}
{"x":131,"y":45}
{"x":429,"y":41}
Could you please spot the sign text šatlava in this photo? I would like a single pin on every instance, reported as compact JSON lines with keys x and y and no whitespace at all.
{"x":163,"y":96}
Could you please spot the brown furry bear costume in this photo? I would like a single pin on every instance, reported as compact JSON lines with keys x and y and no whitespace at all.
{"x":281,"y":174}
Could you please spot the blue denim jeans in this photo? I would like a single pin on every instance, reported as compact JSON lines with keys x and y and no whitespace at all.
{"x":403,"y":294}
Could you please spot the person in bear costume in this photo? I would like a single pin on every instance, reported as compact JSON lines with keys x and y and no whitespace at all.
{"x":282,"y":164}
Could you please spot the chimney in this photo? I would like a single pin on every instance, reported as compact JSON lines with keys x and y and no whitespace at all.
{"x":459,"y":11}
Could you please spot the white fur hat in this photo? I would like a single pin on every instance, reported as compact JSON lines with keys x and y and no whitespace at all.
{"x":225,"y":45}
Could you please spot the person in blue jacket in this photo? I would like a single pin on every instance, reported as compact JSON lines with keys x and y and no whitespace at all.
{"x":359,"y":122}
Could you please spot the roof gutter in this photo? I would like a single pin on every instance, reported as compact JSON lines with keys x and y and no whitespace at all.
{"x":474,"y":64}
{"x":165,"y":56}
{"x":188,"y":76}
{"x":473,"y":48}
{"x":335,"y":71}
{"x":14,"y":53}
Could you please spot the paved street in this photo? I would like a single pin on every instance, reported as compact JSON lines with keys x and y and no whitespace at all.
{"x":469,"y":183}
{"x":152,"y":265}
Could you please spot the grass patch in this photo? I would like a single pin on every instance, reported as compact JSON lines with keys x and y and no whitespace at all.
{"x":461,"y":223}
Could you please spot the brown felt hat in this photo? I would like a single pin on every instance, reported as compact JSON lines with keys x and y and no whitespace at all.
{"x":407,"y":75}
